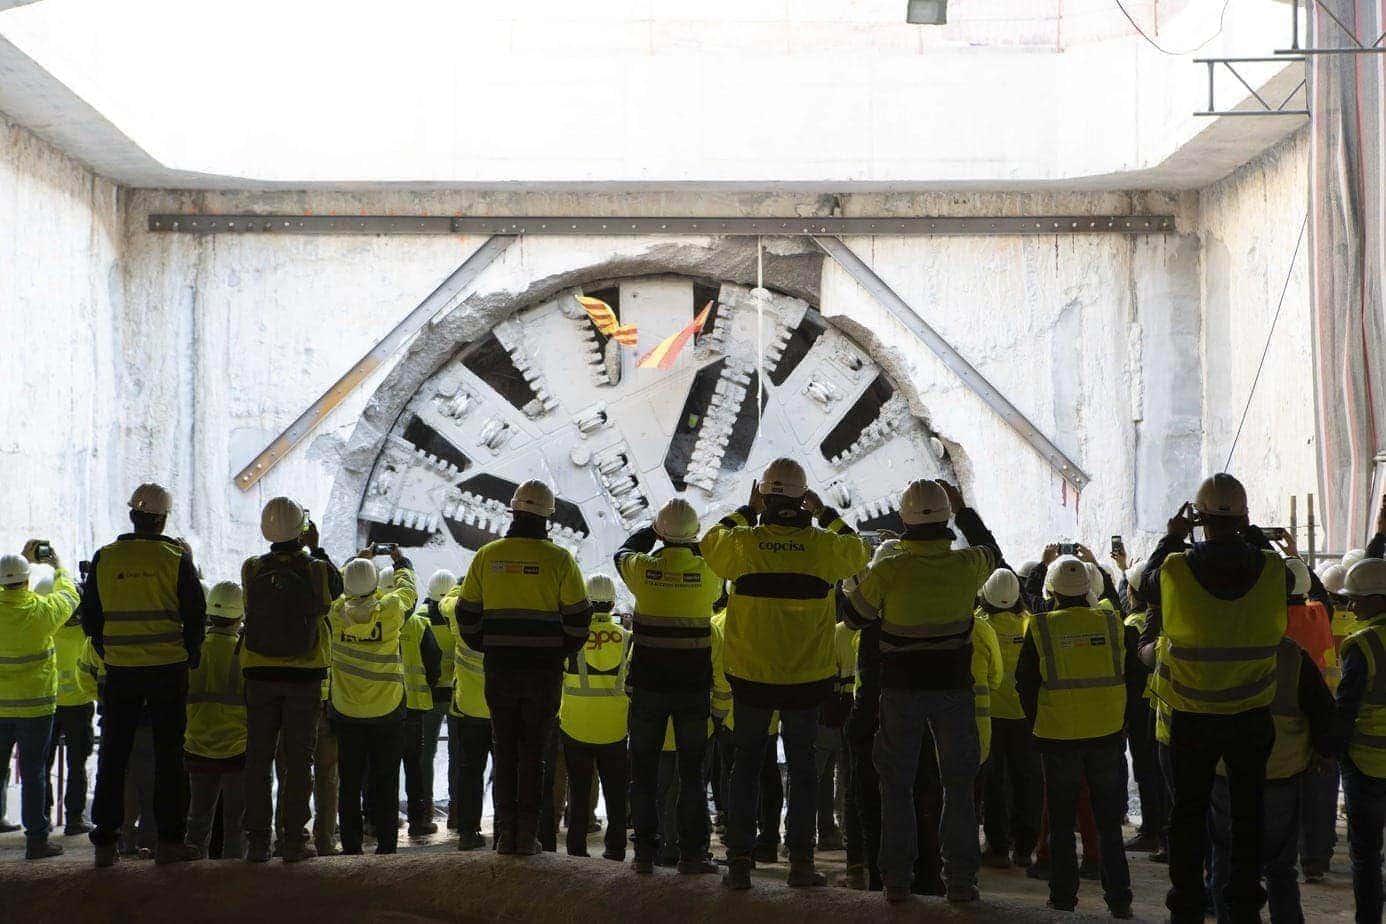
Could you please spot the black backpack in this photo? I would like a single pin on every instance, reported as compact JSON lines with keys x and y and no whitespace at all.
{"x":282,"y":609}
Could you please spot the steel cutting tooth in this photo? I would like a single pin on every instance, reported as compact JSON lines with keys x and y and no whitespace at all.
{"x":892,"y":415}
{"x":511,"y":335}
{"x":715,"y":429}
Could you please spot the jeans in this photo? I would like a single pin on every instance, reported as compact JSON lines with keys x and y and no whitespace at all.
{"x":138,"y":828}
{"x":1197,"y":742}
{"x":31,"y":735}
{"x":864,"y":827}
{"x":419,"y":799}
{"x":524,"y":709}
{"x":798,"y":729}
{"x":1145,"y":766}
{"x":1279,"y":847}
{"x":72,"y":728}
{"x":828,"y":748}
{"x":432,"y":726}
{"x":553,"y":789}
{"x":281,"y":718}
{"x":204,"y":788}
{"x":1318,"y":817}
{"x":1104,"y":766}
{"x":472,"y":739}
{"x":381,"y":744}
{"x":1014,"y":789}
{"x":612,"y":765}
{"x":162,"y":694}
{"x":770,"y":805}
{"x":905,"y":717}
{"x":650,"y":713}
{"x":1365,"y":797}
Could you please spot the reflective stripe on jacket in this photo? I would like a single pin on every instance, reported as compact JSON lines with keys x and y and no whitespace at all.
{"x":1009,"y":629}
{"x":216,"y":698}
{"x":417,"y":693}
{"x":28,"y":659}
{"x":1082,"y":661}
{"x":986,"y":680}
{"x":523,"y":596}
{"x":367,"y":670}
{"x":1367,"y":746}
{"x":595,"y":706}
{"x":137,"y":583}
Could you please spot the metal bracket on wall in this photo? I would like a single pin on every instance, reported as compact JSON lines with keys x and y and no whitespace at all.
{"x":439,"y":299}
{"x":1318,"y":6}
{"x":877,"y":288}
{"x":619,"y":224}
{"x":1265,"y":108}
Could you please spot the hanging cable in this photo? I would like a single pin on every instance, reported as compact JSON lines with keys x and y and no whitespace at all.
{"x":1156,"y":45}
{"x":1289,"y":274}
{"x":760,"y":330}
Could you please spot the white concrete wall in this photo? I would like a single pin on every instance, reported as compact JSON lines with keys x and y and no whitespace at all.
{"x":1248,"y":225}
{"x":60,"y":241}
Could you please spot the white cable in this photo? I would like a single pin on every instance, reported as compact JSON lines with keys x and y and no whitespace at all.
{"x":760,"y":330}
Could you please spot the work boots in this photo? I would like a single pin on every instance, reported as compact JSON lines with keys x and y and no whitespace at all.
{"x":803,"y":875}
{"x":298,"y":852}
{"x":452,"y":815}
{"x":106,"y":855}
{"x":169,"y":852}
{"x":644,"y":862}
{"x":505,"y":841}
{"x":855,"y":879}
{"x":258,"y":853}
{"x":38,"y":848}
{"x":696,"y":866}
{"x":738,"y":874}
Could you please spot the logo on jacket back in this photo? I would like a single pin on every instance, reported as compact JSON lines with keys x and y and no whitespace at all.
{"x":769,"y":546}
{"x":123,"y":575}
{"x":514,"y":567}
{"x":669,"y":579}
{"x":1082,"y":641}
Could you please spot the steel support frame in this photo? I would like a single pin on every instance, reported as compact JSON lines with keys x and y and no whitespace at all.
{"x":1266,"y":109}
{"x":1357,"y":48}
{"x":901,"y":310}
{"x":437,"y":302}
{"x":631,"y":225}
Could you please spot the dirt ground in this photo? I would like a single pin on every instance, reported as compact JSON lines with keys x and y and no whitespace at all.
{"x":430,"y":881}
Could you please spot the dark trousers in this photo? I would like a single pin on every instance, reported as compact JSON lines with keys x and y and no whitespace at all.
{"x":381,"y":745}
{"x":770,"y":805}
{"x":828,"y":750}
{"x":163,"y":692}
{"x":1104,"y":767}
{"x":798,"y":729}
{"x":864,"y":826}
{"x":419,"y":799}
{"x":1318,"y":817}
{"x":549,"y":808}
{"x":612,"y":765}
{"x":281,"y":724}
{"x":1279,"y":847}
{"x":72,"y":729}
{"x":1014,"y":791}
{"x":432,"y":727}
{"x":31,"y":735}
{"x":1146,"y":768}
{"x":472,"y":739}
{"x":1365,"y":797}
{"x":650,"y":713}
{"x":524,"y":707}
{"x":1197,"y":742}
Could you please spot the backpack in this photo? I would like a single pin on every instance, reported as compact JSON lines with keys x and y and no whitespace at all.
{"x":282,"y":609}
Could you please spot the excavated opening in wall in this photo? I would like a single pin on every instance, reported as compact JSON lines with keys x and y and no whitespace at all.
{"x":695,"y":407}
{"x":862,"y":414}
{"x":490,"y":362}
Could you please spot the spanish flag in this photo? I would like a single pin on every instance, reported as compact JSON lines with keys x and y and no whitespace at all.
{"x":664,"y":355}
{"x":604,"y":319}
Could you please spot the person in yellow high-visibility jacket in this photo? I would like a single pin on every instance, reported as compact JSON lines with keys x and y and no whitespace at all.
{"x":214,"y":746}
{"x":439,"y":583}
{"x":29,"y":681}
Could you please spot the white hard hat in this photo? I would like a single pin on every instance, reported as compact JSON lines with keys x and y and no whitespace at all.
{"x":1221,"y":496}
{"x":225,"y":600}
{"x":601,"y":588}
{"x":1300,"y":570}
{"x":385,"y":579}
{"x":1135,"y":575}
{"x":359,"y":577}
{"x":1025,"y":570}
{"x":1096,"y":577}
{"x":153,"y":499}
{"x":1068,"y":577}
{"x":784,"y":477}
{"x":14,"y":569}
{"x":1333,"y":577}
{"x":888,"y":548}
{"x":677,"y":521}
{"x":924,"y":501}
{"x":1352,"y":557}
{"x":41,"y":578}
{"x":1002,"y":589}
{"x":281,"y":520}
{"x":440,"y":583}
{"x":533,"y":497}
{"x":1367,"y":578}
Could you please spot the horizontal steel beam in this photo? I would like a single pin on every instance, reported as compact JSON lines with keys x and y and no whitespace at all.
{"x":448,"y":290}
{"x":617,"y":224}
{"x":881,"y":291}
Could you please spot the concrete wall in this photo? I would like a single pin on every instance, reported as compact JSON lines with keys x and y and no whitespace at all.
{"x":60,"y":296}
{"x":1248,"y":227}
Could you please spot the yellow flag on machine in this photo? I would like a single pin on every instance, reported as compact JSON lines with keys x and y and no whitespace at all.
{"x":604,"y":319}
{"x":664,"y":355}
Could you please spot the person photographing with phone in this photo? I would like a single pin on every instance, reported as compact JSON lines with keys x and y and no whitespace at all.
{"x":1218,"y":613}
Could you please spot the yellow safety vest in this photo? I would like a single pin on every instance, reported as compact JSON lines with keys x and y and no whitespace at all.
{"x":986,"y":676}
{"x":524,"y":596}
{"x":1139,"y":621}
{"x":782,"y":608}
{"x":469,"y":672}
{"x":1221,"y":654}
{"x":367,"y":669}
{"x":69,"y":641}
{"x":595,"y":706}
{"x":320,"y":657}
{"x":846,"y":655}
{"x":721,"y":703}
{"x":1367,"y":747}
{"x":923,"y":596}
{"x":91,"y":671}
{"x":1290,"y":754}
{"x":417,"y":693}
{"x":1082,"y":660}
{"x":1009,"y":629}
{"x":216,"y":698}
{"x":28,"y":660}
{"x":137,"y":583}
{"x":447,"y":644}
{"x":674,"y":593}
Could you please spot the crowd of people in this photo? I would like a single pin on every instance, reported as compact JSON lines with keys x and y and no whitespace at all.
{"x":916,"y":675}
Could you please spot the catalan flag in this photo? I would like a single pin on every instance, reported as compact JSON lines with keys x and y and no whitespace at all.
{"x":664,"y":355}
{"x":604,"y":319}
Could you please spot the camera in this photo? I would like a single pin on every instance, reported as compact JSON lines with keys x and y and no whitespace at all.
{"x":1068,"y":548}
{"x":84,"y":569}
{"x":43,"y":552}
{"x":384,"y":548}
{"x":1118,"y":547}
